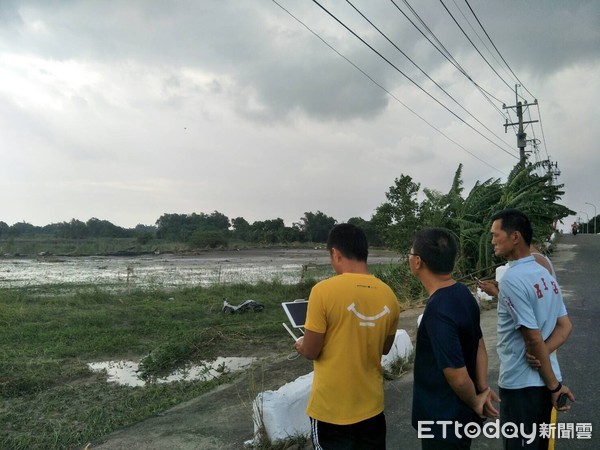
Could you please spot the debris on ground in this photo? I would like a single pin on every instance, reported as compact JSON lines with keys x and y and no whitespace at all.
{"x":245,"y":306}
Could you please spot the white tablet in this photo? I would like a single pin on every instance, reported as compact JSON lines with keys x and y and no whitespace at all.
{"x":296,"y":312}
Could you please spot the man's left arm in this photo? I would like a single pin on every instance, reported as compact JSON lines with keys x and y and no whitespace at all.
{"x":481,"y":384}
{"x":560,"y":334}
{"x":391,"y":337}
{"x":481,"y":366}
{"x":310,"y":345}
{"x":535,"y":345}
{"x":558,"y":337}
{"x":389,"y":341}
{"x":463,"y":387}
{"x":448,"y":354}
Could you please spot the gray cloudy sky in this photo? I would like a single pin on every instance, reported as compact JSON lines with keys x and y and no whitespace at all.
{"x":124,"y":111}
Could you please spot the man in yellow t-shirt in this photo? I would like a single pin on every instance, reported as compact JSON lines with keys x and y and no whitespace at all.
{"x":350,"y":323}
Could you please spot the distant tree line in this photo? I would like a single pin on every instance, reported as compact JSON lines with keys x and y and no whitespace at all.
{"x":75,"y":229}
{"x":392,"y":225}
{"x":215,"y":229}
{"x":197,"y":230}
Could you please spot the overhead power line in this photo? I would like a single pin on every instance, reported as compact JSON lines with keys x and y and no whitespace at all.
{"x":542,"y":128}
{"x":446,"y":54}
{"x":473,"y":44}
{"x":519,"y":81}
{"x":386,"y":90}
{"x":424,"y":73}
{"x":410,"y":79}
{"x":466,"y":19}
{"x":496,"y":48}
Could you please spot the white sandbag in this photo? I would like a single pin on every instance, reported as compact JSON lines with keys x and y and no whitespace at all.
{"x":401,"y":348}
{"x":483,"y":296}
{"x":283,"y":412}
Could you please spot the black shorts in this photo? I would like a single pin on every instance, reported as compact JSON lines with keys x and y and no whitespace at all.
{"x":366,"y":435}
{"x":526,"y":407}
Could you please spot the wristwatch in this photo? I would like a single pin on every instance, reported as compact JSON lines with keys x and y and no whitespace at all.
{"x":555,"y":390}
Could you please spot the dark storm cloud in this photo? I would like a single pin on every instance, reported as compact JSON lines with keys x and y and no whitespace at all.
{"x":234,"y":40}
{"x":538,"y":37}
{"x":272,"y":59}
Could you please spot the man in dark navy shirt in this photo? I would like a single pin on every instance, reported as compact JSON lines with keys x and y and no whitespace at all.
{"x":450,"y":373}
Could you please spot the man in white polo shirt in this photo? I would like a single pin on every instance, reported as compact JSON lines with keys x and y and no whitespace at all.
{"x":529,"y":305}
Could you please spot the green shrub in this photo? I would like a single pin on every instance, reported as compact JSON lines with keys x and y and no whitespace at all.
{"x":408,"y":289}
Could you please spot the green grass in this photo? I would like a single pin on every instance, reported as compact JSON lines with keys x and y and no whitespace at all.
{"x":49,"y":399}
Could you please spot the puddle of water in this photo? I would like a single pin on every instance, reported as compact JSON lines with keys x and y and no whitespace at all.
{"x":120,"y":372}
{"x":126,"y":372}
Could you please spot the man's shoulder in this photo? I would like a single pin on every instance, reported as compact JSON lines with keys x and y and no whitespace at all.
{"x":327,"y":282}
{"x":456,"y":290}
{"x":525,"y":271}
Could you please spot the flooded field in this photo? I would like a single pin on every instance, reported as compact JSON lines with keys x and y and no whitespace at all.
{"x":126,"y":372}
{"x":158,"y":271}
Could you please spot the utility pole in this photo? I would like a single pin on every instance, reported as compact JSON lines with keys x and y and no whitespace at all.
{"x":595,"y":216}
{"x":521,"y":135}
{"x":551,"y":168}
{"x":587,"y":224}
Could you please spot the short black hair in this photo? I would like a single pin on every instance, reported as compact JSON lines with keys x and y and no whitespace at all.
{"x":515,"y":220}
{"x":350,"y":240}
{"x":437,"y":249}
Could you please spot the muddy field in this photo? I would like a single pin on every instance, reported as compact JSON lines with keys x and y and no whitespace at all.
{"x":243,"y":266}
